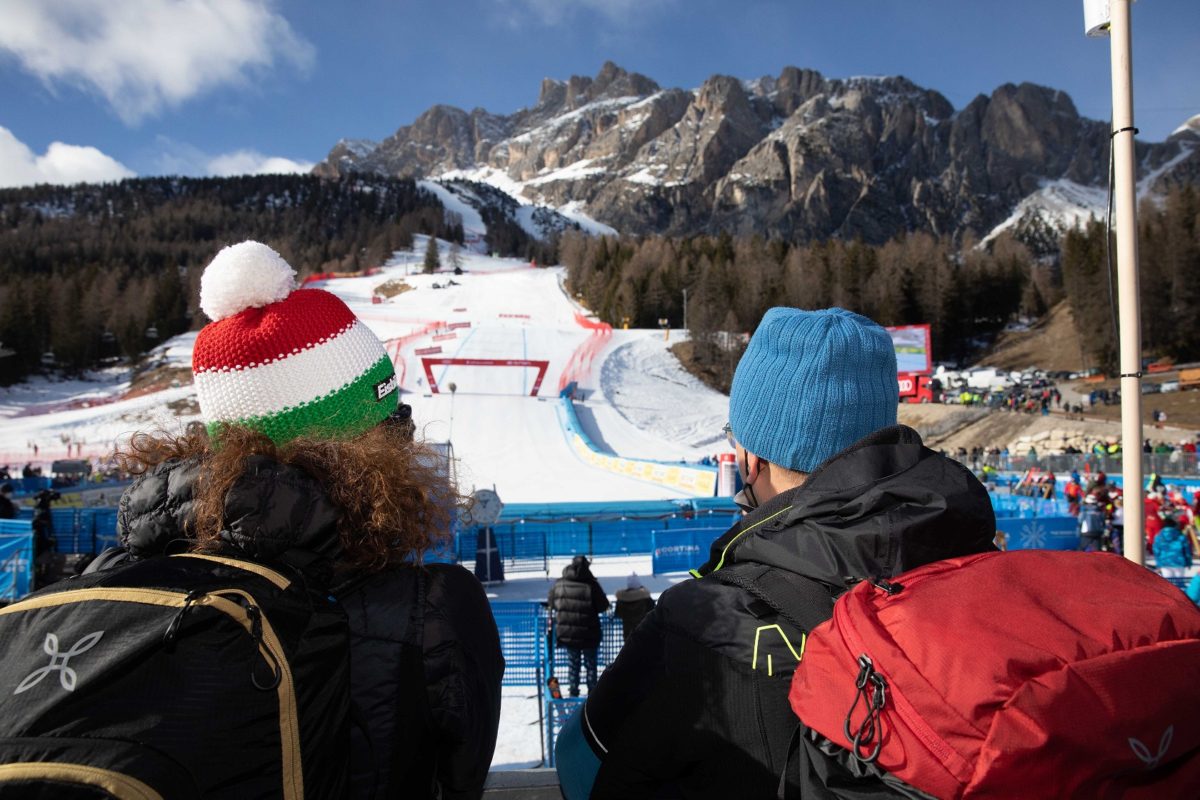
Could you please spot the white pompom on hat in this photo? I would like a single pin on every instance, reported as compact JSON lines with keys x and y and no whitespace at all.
{"x":633,"y":582}
{"x":288,"y":362}
{"x":244,"y":275}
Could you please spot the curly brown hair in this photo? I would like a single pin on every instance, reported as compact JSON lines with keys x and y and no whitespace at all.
{"x":396,"y":501}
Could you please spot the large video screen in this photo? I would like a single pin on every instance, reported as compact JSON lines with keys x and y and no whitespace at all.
{"x":914,"y":352}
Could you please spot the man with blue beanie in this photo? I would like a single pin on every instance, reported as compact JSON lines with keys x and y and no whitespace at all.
{"x":835,"y":493}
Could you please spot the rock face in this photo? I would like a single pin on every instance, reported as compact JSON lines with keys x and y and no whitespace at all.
{"x":798,"y":156}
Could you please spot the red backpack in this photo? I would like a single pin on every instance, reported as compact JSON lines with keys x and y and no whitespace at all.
{"x":1021,"y":674}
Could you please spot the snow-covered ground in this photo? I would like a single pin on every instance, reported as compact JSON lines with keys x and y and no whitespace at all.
{"x":638,"y":403}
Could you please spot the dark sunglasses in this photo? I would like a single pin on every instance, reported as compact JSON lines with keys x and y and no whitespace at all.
{"x":402,"y":419}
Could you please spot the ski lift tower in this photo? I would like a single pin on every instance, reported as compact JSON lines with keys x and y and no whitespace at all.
{"x":1112,"y":18}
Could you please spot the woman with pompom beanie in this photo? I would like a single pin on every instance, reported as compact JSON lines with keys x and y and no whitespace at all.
{"x":306,"y":457}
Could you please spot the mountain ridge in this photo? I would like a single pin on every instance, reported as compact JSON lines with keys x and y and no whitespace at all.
{"x":797,"y":156}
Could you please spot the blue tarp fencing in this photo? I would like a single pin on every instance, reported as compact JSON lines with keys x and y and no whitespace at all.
{"x":16,"y":559}
{"x":680,"y":551}
{"x":530,"y":534}
{"x":33,"y":485}
{"x":514,"y":512}
{"x":1039,"y":533}
{"x":1027,"y":507}
{"x":529,"y":544}
{"x":80,"y":530}
{"x":1185,"y":485}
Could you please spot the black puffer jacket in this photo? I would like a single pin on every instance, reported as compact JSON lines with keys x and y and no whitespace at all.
{"x":696,"y":703}
{"x":425,"y":654}
{"x":577,"y":601}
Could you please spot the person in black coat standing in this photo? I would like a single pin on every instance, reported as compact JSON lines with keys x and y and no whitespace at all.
{"x":8,"y":509}
{"x":577,"y":601}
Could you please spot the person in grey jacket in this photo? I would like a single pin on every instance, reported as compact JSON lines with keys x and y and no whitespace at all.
{"x":633,"y":604}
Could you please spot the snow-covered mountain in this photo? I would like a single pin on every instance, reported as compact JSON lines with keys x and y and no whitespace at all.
{"x":796,"y":155}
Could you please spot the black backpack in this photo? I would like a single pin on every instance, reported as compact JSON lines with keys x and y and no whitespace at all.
{"x":175,"y":677}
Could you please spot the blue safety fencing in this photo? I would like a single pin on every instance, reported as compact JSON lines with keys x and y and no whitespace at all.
{"x":513,"y":512}
{"x":522,"y":627}
{"x":28,"y":486}
{"x":557,"y":712}
{"x":1038,"y":533}
{"x":16,"y":559}
{"x":681,"y":550}
{"x":528,"y":544}
{"x":529,"y":535}
{"x":80,"y":530}
{"x":1028,"y":507}
{"x":530,"y":652}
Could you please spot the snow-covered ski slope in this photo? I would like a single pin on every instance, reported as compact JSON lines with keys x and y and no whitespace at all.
{"x":637,"y":401}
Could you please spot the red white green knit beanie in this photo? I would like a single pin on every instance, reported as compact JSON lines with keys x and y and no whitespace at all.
{"x":288,"y":362}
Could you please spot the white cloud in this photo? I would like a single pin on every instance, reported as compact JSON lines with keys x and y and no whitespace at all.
{"x":144,"y":55}
{"x":554,"y":12}
{"x":61,"y":163}
{"x":251,"y":162}
{"x":180,"y":158}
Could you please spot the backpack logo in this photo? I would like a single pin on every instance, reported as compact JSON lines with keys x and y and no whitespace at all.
{"x":58,"y":661}
{"x":1143,"y":752}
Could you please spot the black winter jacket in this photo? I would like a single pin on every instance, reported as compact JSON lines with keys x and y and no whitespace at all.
{"x":424,"y":651}
{"x":577,"y":601}
{"x":430,"y":629}
{"x":696,"y":703}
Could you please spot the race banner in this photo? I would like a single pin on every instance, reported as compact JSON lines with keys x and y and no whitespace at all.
{"x":1038,"y":533}
{"x":681,"y":550}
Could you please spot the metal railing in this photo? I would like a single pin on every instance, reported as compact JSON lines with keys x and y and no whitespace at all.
{"x":1178,"y":464}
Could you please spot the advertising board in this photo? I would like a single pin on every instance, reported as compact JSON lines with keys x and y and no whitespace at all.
{"x":914,"y":348}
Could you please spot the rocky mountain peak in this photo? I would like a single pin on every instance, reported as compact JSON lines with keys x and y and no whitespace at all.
{"x":610,"y":82}
{"x":798,"y":155}
{"x":722,"y":94}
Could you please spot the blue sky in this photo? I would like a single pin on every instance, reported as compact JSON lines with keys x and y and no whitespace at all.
{"x":101,"y":89}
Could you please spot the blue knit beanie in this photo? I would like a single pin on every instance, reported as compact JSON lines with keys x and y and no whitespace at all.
{"x":812,"y":383}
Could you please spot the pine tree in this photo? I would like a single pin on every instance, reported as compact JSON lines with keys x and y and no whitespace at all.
{"x":455,"y":258}
{"x":433,"y":261}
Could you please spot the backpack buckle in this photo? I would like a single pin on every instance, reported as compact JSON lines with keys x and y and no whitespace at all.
{"x":872,"y":690}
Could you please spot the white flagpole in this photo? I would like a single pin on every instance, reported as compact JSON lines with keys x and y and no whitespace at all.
{"x":1128,"y":294}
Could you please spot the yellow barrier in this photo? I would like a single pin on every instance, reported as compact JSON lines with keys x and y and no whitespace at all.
{"x":697,"y":482}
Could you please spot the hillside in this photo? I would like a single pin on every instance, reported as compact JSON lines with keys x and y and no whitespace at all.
{"x":1052,"y":344}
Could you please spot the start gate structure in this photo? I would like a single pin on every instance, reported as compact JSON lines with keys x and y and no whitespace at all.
{"x":430,"y":362}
